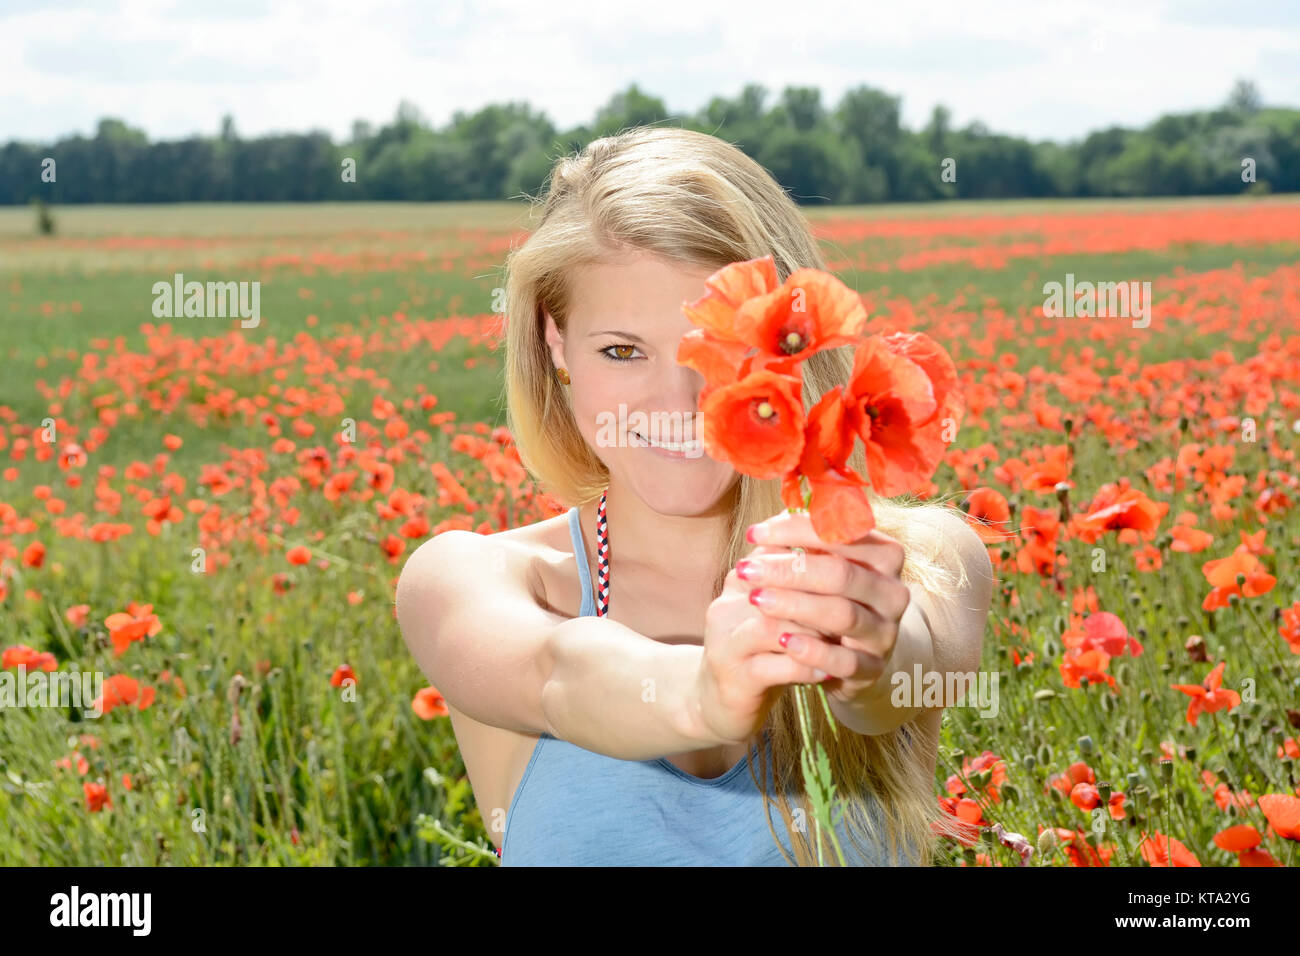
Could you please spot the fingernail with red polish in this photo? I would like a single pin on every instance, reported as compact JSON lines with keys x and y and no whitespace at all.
{"x":755,"y":597}
{"x":785,"y":637}
{"x":748,"y":570}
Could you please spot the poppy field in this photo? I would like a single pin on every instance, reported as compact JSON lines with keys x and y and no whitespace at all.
{"x":212,"y":516}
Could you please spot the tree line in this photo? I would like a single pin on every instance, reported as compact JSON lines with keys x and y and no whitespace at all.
{"x":857,"y":151}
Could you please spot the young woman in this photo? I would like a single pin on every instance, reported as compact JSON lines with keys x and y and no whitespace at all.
{"x":610,"y":673}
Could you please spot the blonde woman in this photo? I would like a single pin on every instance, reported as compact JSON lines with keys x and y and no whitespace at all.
{"x":651,"y":721}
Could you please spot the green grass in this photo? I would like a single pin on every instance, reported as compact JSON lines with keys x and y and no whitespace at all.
{"x":315,"y":778}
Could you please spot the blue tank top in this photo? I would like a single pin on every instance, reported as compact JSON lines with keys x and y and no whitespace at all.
{"x":575,"y":807}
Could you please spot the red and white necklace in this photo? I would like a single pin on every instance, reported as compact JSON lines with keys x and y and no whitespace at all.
{"x":602,"y":558}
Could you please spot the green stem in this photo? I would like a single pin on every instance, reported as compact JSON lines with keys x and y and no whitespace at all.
{"x":809,"y":764}
{"x":804,"y":764}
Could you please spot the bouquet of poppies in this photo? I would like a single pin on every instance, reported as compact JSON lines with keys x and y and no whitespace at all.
{"x":902,"y":400}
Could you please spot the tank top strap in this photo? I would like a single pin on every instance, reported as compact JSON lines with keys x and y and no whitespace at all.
{"x":588,"y":607}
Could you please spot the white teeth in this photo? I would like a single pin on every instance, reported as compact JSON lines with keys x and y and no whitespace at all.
{"x":689,"y":446}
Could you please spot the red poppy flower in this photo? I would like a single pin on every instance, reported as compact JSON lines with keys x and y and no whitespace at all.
{"x":1116,"y":507}
{"x":989,"y":514}
{"x":428,"y":704}
{"x":1283,"y":813}
{"x":97,"y":796}
{"x":1223,"y":572}
{"x":1208,"y":697}
{"x":121,"y":690}
{"x":1157,"y":849}
{"x":756,"y":424}
{"x":20,"y":655}
{"x":748,"y":321}
{"x":135,"y":624}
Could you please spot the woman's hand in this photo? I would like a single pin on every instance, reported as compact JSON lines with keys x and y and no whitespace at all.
{"x":744,"y":668}
{"x":847,"y":599}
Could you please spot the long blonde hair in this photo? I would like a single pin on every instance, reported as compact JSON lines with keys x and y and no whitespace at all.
{"x":691,"y":198}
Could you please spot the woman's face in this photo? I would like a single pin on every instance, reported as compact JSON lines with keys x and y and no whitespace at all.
{"x":620,"y":350}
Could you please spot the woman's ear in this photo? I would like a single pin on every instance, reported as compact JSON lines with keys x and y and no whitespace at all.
{"x":554,"y":340}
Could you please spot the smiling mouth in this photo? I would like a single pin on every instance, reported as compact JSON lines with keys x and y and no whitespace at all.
{"x":685,"y":447}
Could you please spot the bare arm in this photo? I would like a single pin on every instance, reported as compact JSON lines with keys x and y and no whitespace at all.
{"x":942,"y":636}
{"x":473,"y":621}
{"x":622,"y":694}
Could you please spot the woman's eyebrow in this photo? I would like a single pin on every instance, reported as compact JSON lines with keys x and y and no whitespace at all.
{"x":626,"y":335}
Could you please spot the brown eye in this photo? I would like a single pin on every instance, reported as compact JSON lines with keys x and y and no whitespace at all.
{"x":609,"y":353}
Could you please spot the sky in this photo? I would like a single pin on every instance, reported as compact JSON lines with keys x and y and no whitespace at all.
{"x":1043,"y":70}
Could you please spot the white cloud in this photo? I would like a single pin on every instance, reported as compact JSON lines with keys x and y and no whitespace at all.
{"x":1039,"y":70}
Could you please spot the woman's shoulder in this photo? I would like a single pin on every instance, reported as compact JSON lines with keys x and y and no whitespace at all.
{"x":535,"y":539}
{"x":552,"y":533}
{"x":959,"y":603}
{"x":527,"y":556}
{"x":942,"y":532}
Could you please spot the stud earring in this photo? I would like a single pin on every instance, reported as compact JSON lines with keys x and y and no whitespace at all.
{"x":563,"y":373}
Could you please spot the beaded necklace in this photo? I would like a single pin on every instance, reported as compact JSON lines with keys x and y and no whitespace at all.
{"x":602,"y":558}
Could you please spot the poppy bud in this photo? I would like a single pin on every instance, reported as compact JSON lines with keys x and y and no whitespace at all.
{"x":1048,"y":841}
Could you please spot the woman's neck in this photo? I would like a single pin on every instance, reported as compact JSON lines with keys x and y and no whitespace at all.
{"x":676,"y":547}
